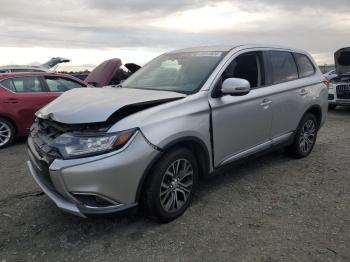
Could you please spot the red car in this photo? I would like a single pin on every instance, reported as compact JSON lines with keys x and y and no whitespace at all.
{"x":22,"y":94}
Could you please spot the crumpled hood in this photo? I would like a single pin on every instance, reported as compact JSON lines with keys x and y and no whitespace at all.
{"x":342,"y":61}
{"x":93,"y":105}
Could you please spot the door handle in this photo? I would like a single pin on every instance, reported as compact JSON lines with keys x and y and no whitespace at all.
{"x":11,"y":101}
{"x":303,"y":92}
{"x":265,"y":102}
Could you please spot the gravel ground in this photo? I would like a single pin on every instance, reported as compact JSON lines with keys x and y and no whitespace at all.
{"x":269,"y":209}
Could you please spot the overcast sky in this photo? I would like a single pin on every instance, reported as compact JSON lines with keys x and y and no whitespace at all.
{"x":90,"y":31}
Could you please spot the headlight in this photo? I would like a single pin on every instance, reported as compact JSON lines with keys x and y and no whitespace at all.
{"x":72,"y":145}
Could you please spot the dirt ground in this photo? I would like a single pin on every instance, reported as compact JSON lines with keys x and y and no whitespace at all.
{"x":270,"y":209}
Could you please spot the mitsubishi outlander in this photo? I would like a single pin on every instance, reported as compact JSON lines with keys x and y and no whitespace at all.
{"x":183,"y":116}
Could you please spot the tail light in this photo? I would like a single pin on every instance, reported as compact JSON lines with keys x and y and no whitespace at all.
{"x":327,"y":82}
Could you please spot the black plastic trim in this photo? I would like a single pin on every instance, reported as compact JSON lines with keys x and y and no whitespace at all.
{"x":160,"y":154}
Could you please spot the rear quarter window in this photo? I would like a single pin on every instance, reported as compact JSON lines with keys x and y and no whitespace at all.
{"x":304,"y":64}
{"x":283,"y":66}
{"x":8,"y":84}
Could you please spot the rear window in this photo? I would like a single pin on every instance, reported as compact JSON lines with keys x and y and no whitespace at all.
{"x":305,"y":66}
{"x":28,"y":84}
{"x":283,"y":66}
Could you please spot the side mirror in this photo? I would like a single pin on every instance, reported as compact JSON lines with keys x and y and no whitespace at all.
{"x":235,"y":87}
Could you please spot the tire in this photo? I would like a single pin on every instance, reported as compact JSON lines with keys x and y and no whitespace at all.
{"x":7,"y":133}
{"x":332,"y":106}
{"x":163,"y":183}
{"x":301,"y":147}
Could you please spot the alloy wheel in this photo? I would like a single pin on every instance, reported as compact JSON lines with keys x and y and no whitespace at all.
{"x":307,"y":136}
{"x":5,"y":133}
{"x":176,"y":185}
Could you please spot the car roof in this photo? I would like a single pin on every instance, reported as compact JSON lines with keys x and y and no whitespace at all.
{"x":18,"y":74}
{"x":19,"y":67}
{"x":227,"y":48}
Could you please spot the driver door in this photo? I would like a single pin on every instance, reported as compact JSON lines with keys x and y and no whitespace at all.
{"x":241,"y":124}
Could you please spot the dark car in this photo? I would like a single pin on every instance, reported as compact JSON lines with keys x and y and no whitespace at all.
{"x":22,"y":94}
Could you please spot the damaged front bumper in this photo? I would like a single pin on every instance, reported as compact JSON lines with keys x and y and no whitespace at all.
{"x":61,"y":202}
{"x":100,"y":184}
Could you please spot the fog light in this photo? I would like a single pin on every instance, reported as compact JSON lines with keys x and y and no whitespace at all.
{"x":94,"y":200}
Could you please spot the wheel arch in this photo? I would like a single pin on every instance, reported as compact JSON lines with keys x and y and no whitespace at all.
{"x":196,"y":145}
{"x":317,"y":112}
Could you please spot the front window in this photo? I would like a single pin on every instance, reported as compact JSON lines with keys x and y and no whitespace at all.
{"x":60,"y":84}
{"x":246,"y":66}
{"x":179,"y":72}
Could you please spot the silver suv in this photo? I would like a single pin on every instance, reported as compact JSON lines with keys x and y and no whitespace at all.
{"x":183,"y":116}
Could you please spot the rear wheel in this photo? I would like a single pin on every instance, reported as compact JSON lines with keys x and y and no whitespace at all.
{"x":332,"y":106}
{"x":7,"y":132}
{"x":305,"y":138}
{"x":170,"y":186}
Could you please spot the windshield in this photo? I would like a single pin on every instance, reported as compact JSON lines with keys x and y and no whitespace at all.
{"x":180,"y":72}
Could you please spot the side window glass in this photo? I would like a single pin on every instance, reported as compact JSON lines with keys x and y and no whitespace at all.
{"x":305,"y":66}
{"x":28,"y":84}
{"x":283,"y":66}
{"x":8,"y":84}
{"x":59,"y":84}
{"x":245,"y":66}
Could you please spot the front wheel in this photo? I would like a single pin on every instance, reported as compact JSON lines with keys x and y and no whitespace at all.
{"x":7,"y":133}
{"x":170,"y":187}
{"x":305,"y":137}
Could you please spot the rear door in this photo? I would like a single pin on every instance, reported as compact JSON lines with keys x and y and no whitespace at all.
{"x":56,"y":85}
{"x":28,"y":96}
{"x":290,"y":90}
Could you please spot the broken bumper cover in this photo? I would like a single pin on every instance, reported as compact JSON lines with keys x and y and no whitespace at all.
{"x":61,"y":202}
{"x":79,"y":186}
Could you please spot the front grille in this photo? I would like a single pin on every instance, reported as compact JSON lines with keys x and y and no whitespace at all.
{"x":343,"y":91}
{"x":40,"y":150}
{"x":40,"y":167}
{"x":43,"y":134}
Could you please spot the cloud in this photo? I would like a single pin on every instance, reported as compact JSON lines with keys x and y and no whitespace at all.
{"x":318,"y":26}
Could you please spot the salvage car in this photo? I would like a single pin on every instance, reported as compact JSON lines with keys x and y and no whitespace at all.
{"x":49,"y":66}
{"x":339,"y":91}
{"x":186,"y":114}
{"x":22,"y":94}
{"x":330,"y":74}
{"x":110,"y":72}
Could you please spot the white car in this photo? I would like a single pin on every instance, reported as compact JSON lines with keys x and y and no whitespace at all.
{"x":49,"y":66}
{"x":330,"y":74}
{"x":339,"y":91}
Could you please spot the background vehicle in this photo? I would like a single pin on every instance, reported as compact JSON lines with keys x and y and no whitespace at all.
{"x":49,"y":66}
{"x":330,"y":74}
{"x":109,"y":72}
{"x":22,"y":94}
{"x":339,"y":91}
{"x":184,"y":115}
